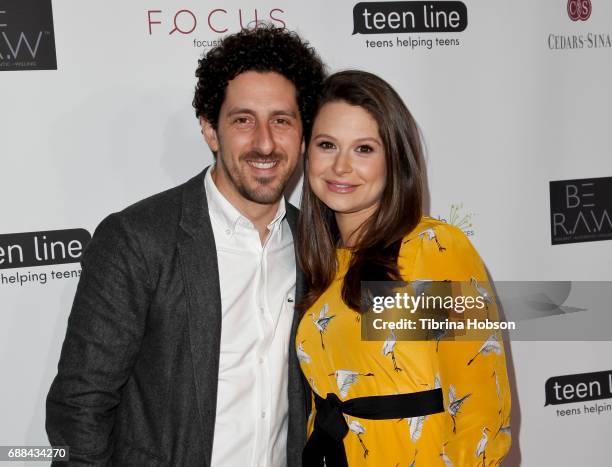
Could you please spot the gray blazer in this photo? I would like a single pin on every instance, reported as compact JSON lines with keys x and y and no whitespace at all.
{"x":137,"y":377}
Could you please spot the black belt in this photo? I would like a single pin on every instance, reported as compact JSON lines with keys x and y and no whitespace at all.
{"x":325,"y":446}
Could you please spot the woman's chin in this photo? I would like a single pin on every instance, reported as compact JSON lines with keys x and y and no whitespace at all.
{"x":340,"y":207}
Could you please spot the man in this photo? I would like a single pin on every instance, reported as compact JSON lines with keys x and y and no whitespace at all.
{"x":179,"y":349}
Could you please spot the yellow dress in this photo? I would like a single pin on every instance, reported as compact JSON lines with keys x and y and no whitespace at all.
{"x":474,"y":428}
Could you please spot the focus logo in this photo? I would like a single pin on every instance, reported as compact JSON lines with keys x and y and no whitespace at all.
{"x":217,"y":20}
{"x":579,"y":10}
{"x":26,"y":35}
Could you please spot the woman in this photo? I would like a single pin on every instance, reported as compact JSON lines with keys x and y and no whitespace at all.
{"x":392,"y":403}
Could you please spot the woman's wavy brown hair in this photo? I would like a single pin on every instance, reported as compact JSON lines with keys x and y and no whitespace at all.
{"x":375,"y":255}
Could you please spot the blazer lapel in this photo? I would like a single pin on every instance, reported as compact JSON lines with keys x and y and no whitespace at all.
{"x":299,"y":403}
{"x":292,"y":219}
{"x":198,"y":256}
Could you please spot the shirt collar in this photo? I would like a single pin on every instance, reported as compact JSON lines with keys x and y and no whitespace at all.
{"x":224,"y":212}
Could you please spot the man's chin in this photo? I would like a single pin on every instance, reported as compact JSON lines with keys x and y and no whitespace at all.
{"x":264,"y":193}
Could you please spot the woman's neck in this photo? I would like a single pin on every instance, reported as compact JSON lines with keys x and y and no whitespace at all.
{"x":350,"y":225}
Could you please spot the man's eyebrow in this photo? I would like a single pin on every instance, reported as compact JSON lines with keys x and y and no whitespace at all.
{"x":240,"y":110}
{"x":245,"y":110}
{"x":287,"y":112}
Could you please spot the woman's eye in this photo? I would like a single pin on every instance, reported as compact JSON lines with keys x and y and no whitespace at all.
{"x":365,"y":148}
{"x":326,"y":145}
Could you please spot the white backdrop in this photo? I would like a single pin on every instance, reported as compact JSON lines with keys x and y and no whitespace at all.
{"x":502,"y":115}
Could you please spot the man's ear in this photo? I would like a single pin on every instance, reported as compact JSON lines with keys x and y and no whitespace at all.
{"x":210,"y":134}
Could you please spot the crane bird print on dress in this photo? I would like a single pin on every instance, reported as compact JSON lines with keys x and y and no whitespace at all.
{"x":359,"y":430}
{"x":437,"y":383}
{"x":454,"y":404}
{"x":497,"y":388}
{"x":482,"y":291}
{"x":431,"y":235}
{"x":415,"y":425}
{"x":388,"y":349}
{"x":490,"y":345}
{"x":504,"y":427}
{"x":322,"y":321}
{"x":346,"y":378}
{"x":313,"y":385}
{"x":302,"y":355}
{"x":445,"y":458}
{"x":482,"y":446}
{"x":420,"y":286}
{"x":413,"y":463}
{"x":436,"y":334}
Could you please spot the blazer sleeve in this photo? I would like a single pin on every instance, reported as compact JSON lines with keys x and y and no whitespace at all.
{"x":103,"y":337}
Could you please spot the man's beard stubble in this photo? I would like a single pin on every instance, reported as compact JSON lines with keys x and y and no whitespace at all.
{"x":256,"y":194}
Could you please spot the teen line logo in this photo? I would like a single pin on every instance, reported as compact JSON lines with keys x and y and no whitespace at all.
{"x":416,"y":17}
{"x":33,"y":249}
{"x":20,"y":250}
{"x":583,"y":387}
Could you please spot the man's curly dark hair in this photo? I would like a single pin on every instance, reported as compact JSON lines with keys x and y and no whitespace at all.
{"x":263,"y":48}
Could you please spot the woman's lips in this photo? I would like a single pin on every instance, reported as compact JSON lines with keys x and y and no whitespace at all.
{"x":342,"y":188}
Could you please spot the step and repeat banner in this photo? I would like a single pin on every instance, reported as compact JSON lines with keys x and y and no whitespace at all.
{"x":514,"y":100}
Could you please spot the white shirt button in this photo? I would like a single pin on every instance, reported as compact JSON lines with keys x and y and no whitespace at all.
{"x":260,"y":360}
{"x":228,"y":231}
{"x":263,"y":415}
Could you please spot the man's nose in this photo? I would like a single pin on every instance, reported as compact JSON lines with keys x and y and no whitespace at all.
{"x":264,"y":139}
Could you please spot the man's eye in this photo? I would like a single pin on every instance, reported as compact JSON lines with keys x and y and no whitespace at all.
{"x":365,"y":148}
{"x":281,"y":121}
{"x":326,"y":145}
{"x":241,"y":120}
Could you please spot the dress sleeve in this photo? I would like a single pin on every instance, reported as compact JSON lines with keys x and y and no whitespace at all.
{"x":472,"y":373}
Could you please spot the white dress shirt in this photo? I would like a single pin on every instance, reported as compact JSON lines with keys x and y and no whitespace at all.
{"x":257,"y":299}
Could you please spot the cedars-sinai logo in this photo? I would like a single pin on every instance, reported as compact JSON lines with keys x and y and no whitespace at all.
{"x":579,"y":10}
